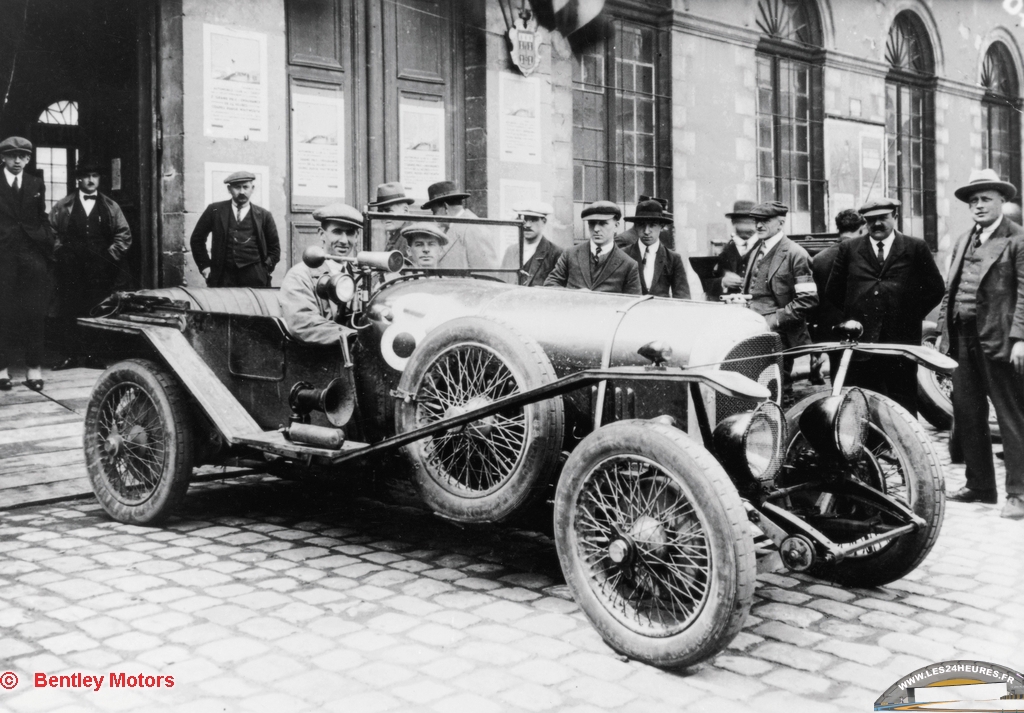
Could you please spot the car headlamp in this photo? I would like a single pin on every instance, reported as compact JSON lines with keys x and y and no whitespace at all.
{"x":837,"y":426}
{"x":338,"y":288}
{"x":750,"y":443}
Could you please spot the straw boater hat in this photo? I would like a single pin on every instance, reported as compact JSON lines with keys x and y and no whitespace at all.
{"x":389,"y":194}
{"x":985,"y":180}
{"x":442,"y":191}
{"x":651,"y":211}
{"x":535,"y":209}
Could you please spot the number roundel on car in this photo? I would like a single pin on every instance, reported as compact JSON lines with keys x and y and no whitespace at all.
{"x":398,"y":343}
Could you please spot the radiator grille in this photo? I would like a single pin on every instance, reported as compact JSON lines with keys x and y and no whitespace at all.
{"x":757,"y":358}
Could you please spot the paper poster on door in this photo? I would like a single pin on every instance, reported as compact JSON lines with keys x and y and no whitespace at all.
{"x":234,"y":83}
{"x":422,"y":138}
{"x":318,"y":148}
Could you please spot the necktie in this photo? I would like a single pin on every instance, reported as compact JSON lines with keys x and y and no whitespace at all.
{"x":16,"y":186}
{"x":881,"y":251}
{"x":647,"y":257}
{"x":976,"y":243}
{"x":238,"y":214}
{"x":88,"y":196}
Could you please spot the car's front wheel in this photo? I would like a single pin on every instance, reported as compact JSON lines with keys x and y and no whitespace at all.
{"x":138,"y":442}
{"x":654,"y":543}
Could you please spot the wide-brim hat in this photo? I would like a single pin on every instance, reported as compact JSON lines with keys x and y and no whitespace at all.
{"x":339,"y":213}
{"x":429,"y":230}
{"x":443,"y":191}
{"x":389,"y":194}
{"x":15,"y":144}
{"x":741,"y":209}
{"x":985,"y":179}
{"x":649,"y":212}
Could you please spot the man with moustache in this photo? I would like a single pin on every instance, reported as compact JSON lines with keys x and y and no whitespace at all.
{"x":540,"y":255}
{"x":26,"y":243}
{"x":888,"y":282}
{"x":661,"y":270}
{"x":92,"y":238}
{"x":245,"y":246}
{"x":307,"y":316}
{"x":597,"y":265}
{"x":982,"y":317}
{"x":732,"y":261}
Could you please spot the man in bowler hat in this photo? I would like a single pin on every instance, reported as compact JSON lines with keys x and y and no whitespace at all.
{"x":597,"y":265}
{"x":26,"y":244}
{"x":469,"y":246}
{"x":92,"y":238}
{"x":732,"y":261}
{"x":982,"y":319}
{"x":661,"y":270}
{"x":245,"y":247}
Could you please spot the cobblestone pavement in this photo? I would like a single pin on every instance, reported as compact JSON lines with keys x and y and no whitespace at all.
{"x":267,"y":595}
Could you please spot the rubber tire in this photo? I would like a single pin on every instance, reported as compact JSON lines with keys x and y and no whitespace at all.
{"x":932,"y":402}
{"x":928,"y":489}
{"x":534,"y":470}
{"x":173,"y":409}
{"x":727,"y":528}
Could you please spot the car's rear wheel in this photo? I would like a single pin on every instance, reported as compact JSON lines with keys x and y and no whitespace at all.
{"x":654,"y":543}
{"x":488,"y":470}
{"x":898,"y":459}
{"x":138,"y":442}
{"x":935,"y":392}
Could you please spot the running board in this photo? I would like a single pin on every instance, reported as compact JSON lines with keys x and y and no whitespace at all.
{"x":275,"y":442}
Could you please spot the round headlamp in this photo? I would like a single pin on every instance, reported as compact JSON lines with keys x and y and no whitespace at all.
{"x":338,"y":288}
{"x":837,"y":426}
{"x":750,"y":444}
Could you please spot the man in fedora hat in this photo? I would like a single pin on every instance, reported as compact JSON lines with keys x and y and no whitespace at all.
{"x":597,"y":265}
{"x":661,"y":270}
{"x":26,"y":243}
{"x":92,"y":238}
{"x":426,"y":242}
{"x":629,"y":237}
{"x":307,"y":316}
{"x":469,"y":246}
{"x":982,"y":319}
{"x":391,"y":198}
{"x":245,"y":247}
{"x":540,"y":255}
{"x":888,"y":282}
{"x":732,"y":261}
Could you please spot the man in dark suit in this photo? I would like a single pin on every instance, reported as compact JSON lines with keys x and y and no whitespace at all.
{"x":661,"y":269}
{"x":245,"y":245}
{"x":850,"y":224}
{"x":888,"y":282}
{"x":540,"y":255}
{"x":26,"y":244}
{"x":597,"y":265}
{"x":470,"y":245}
{"x":982,"y":316}
{"x":732,"y":261}
{"x":628,"y":238}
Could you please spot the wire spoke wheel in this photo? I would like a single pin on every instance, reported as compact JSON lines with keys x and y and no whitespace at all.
{"x":644,"y":546}
{"x":132,"y":441}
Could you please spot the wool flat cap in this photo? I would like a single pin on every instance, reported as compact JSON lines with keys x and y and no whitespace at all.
{"x":389,"y":194}
{"x":740,"y":209}
{"x":535,"y":209}
{"x":424,"y":230}
{"x":769,"y":209}
{"x":651,"y":211}
{"x":339,"y":213}
{"x":601,"y":210}
{"x":239,"y":177}
{"x":15,"y":144}
{"x":878,"y":206}
{"x":985,"y":180}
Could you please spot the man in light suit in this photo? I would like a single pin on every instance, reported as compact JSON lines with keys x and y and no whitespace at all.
{"x":540,"y":254}
{"x":597,"y":265}
{"x":469,"y":246}
{"x":888,"y":282}
{"x":661,"y":270}
{"x":26,"y":244}
{"x":982,"y":317}
{"x":245,"y":245}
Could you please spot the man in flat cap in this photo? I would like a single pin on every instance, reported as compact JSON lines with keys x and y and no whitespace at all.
{"x":308,"y":317}
{"x":469,"y":246}
{"x":982,"y":317}
{"x":426,"y":242}
{"x":245,"y":246}
{"x":732,"y":261}
{"x":92,"y":238}
{"x":598,"y":264}
{"x":391,"y":198}
{"x":779,"y":280}
{"x":540,"y":255}
{"x":661,"y":270}
{"x":888,"y":282}
{"x":26,"y":244}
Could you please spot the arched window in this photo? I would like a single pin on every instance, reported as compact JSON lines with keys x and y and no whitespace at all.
{"x":790,"y":111}
{"x":56,"y":148}
{"x":910,"y":125}
{"x":1000,"y":114}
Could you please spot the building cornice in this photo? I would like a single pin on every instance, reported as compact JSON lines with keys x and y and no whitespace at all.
{"x":713,"y":29}
{"x":959,"y":89}
{"x":853,"y":63}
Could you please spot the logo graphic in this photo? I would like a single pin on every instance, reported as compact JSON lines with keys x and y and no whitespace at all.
{"x":8,"y":680}
{"x":525,"y":43}
{"x":956,"y":686}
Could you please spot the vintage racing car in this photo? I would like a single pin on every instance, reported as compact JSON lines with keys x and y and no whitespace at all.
{"x":656,"y":424}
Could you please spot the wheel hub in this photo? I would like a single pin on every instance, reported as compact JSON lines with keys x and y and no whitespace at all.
{"x":480,"y":428}
{"x":797,"y":553}
{"x":114,"y":444}
{"x":649,"y":533}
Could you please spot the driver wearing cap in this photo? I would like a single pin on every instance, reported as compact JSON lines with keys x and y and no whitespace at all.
{"x":308,"y":317}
